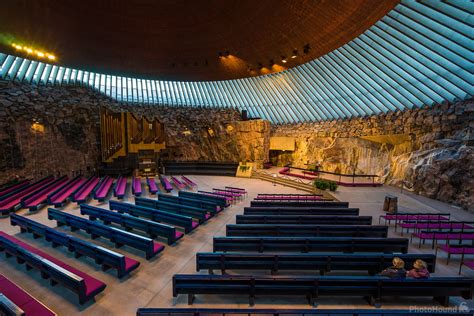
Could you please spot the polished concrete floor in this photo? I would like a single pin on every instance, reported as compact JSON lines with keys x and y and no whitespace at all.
{"x":150,"y":285}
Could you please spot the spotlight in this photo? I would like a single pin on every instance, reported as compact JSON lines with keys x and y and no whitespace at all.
{"x":283,"y":59}
{"x":28,"y":50}
{"x":40,"y":54}
{"x":295,"y":53}
{"x":51,"y":57}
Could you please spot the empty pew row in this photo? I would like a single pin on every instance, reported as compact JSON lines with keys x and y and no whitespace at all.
{"x":105,"y":257}
{"x":311,"y":244}
{"x":155,"y":215}
{"x":12,"y":188}
{"x":152,"y":187}
{"x":120,"y":187}
{"x":16,"y":301}
{"x":200,"y":214}
{"x":400,"y":217}
{"x":227,"y":197}
{"x":304,"y":219}
{"x":13,"y":201}
{"x":84,"y":285}
{"x":136,"y":186}
{"x":304,"y":230}
{"x":150,"y":311}
{"x":374,"y":288}
{"x":189,"y":182}
{"x":60,"y":196}
{"x":117,"y":236}
{"x":39,"y":198}
{"x":324,"y":263}
{"x":458,"y":249}
{"x":153,"y":229}
{"x":212,"y":207}
{"x":238,"y":190}
{"x":300,"y":203}
{"x":166,"y":184}
{"x":83,"y":193}
{"x":103,"y":188}
{"x":179,"y":185}
{"x":229,"y":192}
{"x":253,"y":210}
{"x":220,"y":201}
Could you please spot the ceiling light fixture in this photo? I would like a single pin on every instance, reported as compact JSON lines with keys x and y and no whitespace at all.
{"x":295,"y":53}
{"x":283,"y":59}
{"x":30,"y":50}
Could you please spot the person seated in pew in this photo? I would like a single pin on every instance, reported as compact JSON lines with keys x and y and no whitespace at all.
{"x":419,"y":271}
{"x":396,"y":271}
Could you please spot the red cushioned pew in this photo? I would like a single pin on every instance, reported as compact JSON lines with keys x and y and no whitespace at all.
{"x":13,"y":202}
{"x":24,"y":303}
{"x":40,"y":197}
{"x":59,"y":197}
{"x":84,"y":285}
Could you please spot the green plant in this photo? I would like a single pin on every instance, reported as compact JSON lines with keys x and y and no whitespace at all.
{"x":323,"y":184}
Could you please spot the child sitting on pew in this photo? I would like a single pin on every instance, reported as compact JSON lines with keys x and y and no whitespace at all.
{"x":419,"y":271}
{"x":396,"y":271}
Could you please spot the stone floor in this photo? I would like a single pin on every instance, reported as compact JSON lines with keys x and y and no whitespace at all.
{"x":150,"y":285}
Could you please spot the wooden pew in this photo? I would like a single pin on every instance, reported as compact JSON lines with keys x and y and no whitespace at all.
{"x":16,"y":301}
{"x":302,"y":230}
{"x":254,"y":210}
{"x":117,"y":236}
{"x":311,"y":244}
{"x":206,"y":205}
{"x":300,"y":203}
{"x":155,"y":215}
{"x":221,"y":201}
{"x":129,"y":222}
{"x":304,"y":219}
{"x":84,"y":285}
{"x":374,"y":288}
{"x":105,"y":257}
{"x":200,"y":214}
{"x":370,"y":262}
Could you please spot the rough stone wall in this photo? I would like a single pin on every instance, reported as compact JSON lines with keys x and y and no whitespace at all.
{"x":430,"y":150}
{"x":67,"y":138}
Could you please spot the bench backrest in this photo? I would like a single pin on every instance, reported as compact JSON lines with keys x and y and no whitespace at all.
{"x":207,"y":205}
{"x":259,"y":210}
{"x":311,"y":244}
{"x":304,"y":219}
{"x":301,"y":203}
{"x":221,"y":201}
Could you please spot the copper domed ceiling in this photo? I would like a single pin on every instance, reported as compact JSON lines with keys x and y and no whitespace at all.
{"x":182,"y":39}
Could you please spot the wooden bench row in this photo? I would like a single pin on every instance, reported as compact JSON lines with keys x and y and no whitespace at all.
{"x":304,"y":219}
{"x":105,"y":257}
{"x":153,"y":229}
{"x":194,"y":212}
{"x":302,"y":230}
{"x":201,"y":204}
{"x":299,"y":203}
{"x":84,"y":285}
{"x":373,"y":288}
{"x":117,"y":236}
{"x":295,"y":210}
{"x":370,"y":262}
{"x":155,"y":215}
{"x":311,"y":244}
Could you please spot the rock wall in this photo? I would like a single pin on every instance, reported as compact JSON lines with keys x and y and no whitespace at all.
{"x":430,"y":150}
{"x":46,"y":129}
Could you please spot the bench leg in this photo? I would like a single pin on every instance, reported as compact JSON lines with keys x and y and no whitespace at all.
{"x":211,"y":272}
{"x":190,"y":299}
{"x":311,"y":300}
{"x":251,"y":300}
{"x":443,"y":300}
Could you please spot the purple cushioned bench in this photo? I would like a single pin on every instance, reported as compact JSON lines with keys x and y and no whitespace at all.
{"x":27,"y":303}
{"x":435,"y":236}
{"x":103,"y":189}
{"x":152,"y":187}
{"x":13,"y":201}
{"x":59,"y":197}
{"x":229,"y":200}
{"x":136,"y":186}
{"x":188,"y":182}
{"x":166,"y":184}
{"x":93,"y":286}
{"x":12,"y":188}
{"x":82,"y":195}
{"x":399,"y":217}
{"x":120,"y":187}
{"x":40,"y":197}
{"x":178,"y":183}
